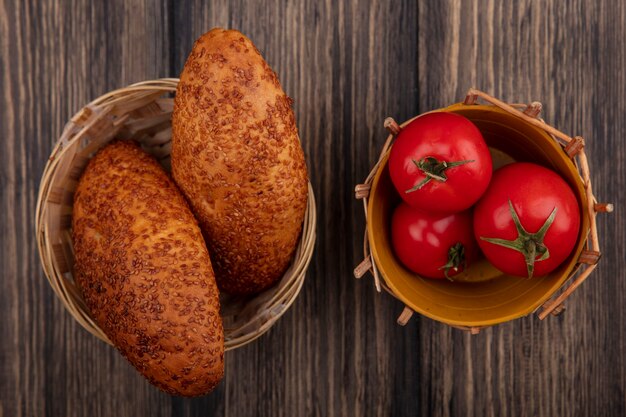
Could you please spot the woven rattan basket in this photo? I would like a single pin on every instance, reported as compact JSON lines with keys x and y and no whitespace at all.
{"x":496,"y":298}
{"x":142,"y":112}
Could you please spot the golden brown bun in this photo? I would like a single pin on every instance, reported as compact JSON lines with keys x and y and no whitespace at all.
{"x":237,"y":158}
{"x":144,"y":272}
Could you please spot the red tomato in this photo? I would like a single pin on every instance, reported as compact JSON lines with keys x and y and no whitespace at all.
{"x":433,"y":245}
{"x":528,"y":220}
{"x":440,"y":162}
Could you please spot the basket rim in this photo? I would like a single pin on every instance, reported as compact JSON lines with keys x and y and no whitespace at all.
{"x":72,"y":301}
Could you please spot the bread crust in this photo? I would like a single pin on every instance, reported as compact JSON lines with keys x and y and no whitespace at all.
{"x":145,"y":273}
{"x":237,"y":158}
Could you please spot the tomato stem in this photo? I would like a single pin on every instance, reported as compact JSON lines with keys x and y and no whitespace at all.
{"x":456,"y":259}
{"x":434,"y":169}
{"x":528,"y":244}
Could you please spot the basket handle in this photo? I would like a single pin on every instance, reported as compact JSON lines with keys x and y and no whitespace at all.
{"x":528,"y":115}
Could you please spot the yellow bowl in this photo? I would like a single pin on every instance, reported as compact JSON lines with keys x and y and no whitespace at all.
{"x":492,"y":297}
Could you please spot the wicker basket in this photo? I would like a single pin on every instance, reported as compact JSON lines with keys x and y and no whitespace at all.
{"x":565,"y":153}
{"x":142,"y":112}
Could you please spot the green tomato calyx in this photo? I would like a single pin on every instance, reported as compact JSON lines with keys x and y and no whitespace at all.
{"x":434,"y":169}
{"x":456,"y":260}
{"x":528,"y":244}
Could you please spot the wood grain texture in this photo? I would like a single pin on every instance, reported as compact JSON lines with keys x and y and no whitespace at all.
{"x":337,"y":351}
{"x":347,"y":64}
{"x":55,"y":58}
{"x":570,"y":56}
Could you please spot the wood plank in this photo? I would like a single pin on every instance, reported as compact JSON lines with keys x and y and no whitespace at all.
{"x":569,"y":56}
{"x":347,"y":64}
{"x":338,"y":350}
{"x":56,"y":57}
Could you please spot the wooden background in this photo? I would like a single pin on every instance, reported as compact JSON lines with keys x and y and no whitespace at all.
{"x":348,"y":64}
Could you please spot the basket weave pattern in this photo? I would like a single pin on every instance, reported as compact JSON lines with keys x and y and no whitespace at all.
{"x":142,"y":112}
